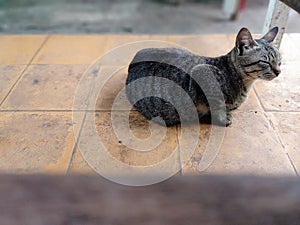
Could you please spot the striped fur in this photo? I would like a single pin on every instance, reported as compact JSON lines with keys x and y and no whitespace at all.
{"x":235,"y":72}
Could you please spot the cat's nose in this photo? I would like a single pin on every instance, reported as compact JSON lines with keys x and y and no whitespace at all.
{"x":277,"y":70}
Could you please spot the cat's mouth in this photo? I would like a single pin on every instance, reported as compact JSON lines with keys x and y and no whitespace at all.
{"x":268,"y":76}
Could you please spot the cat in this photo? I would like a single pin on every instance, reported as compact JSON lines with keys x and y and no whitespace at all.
{"x":200,"y":77}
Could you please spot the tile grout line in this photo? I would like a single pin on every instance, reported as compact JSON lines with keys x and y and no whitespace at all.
{"x":282,"y":145}
{"x":74,"y":150}
{"x":259,"y":100}
{"x":23,"y":71}
{"x":86,"y":111}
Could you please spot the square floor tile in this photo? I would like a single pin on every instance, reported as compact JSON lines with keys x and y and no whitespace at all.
{"x":108,"y":145}
{"x":250,"y":146}
{"x":204,"y":45}
{"x":71,"y":49}
{"x":47,"y":87}
{"x":19,"y":49}
{"x":35,"y":142}
{"x":8,"y":76}
{"x":282,"y":93}
{"x":288,"y":127}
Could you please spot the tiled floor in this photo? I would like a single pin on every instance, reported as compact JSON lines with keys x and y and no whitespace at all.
{"x":42,"y":115}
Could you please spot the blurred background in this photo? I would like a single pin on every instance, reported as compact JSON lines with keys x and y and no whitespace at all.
{"x":133,"y":16}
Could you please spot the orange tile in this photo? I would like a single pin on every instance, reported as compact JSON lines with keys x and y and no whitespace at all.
{"x":288,"y":127}
{"x":19,"y":49}
{"x":282,"y":93}
{"x":114,"y":41}
{"x":35,"y":142}
{"x":160,"y":37}
{"x":71,"y":49}
{"x":204,"y":45}
{"x":251,"y":146}
{"x":120,"y":49}
{"x":8,"y":76}
{"x":47,"y":87}
{"x":110,"y":153}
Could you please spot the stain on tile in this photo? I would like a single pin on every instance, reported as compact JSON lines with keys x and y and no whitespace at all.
{"x":108,"y":142}
{"x":192,"y":155}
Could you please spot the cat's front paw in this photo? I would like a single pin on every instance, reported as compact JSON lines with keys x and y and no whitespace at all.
{"x":224,"y":119}
{"x":229,"y":119}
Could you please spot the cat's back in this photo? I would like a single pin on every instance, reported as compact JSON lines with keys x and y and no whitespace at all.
{"x":173,"y":64}
{"x":164,"y":55}
{"x":173,"y":57}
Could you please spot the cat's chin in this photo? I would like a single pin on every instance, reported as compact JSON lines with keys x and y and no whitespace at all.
{"x":268,"y":77}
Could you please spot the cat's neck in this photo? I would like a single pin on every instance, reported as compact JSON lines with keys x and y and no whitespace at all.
{"x":247,"y":80}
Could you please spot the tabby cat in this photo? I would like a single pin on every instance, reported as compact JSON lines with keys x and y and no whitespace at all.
{"x":234,"y":74}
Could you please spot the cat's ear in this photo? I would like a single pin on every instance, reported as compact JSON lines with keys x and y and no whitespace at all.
{"x":244,"y":41}
{"x":270,"y":36}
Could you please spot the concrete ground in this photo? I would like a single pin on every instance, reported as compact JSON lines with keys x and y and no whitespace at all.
{"x":39,"y":76}
{"x":131,"y":16}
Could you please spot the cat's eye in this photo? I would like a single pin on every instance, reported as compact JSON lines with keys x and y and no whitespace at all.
{"x":265,"y":64}
{"x":279,"y":64}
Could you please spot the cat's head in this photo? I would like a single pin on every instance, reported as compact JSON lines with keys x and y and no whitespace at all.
{"x":257,"y":58}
